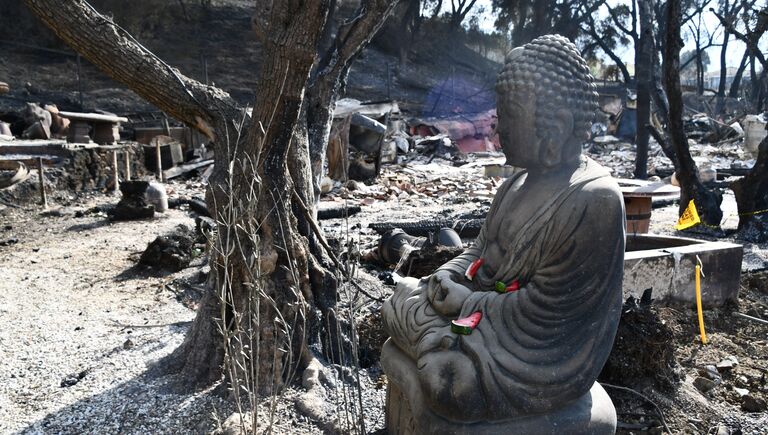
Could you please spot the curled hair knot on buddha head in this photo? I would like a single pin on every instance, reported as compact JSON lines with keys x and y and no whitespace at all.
{"x":551,"y":69}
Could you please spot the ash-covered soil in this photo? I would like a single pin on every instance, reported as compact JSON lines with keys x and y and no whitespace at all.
{"x":83,"y":327}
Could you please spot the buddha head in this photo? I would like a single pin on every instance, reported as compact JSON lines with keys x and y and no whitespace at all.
{"x":546,"y":102}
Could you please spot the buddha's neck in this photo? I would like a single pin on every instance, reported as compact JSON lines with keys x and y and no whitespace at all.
{"x":563,"y":171}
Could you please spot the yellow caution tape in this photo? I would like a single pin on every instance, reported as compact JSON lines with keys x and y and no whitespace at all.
{"x":752,"y":213}
{"x":689,"y":218}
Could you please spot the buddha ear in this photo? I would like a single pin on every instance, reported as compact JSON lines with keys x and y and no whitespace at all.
{"x":557,"y":137}
{"x":562,"y":126}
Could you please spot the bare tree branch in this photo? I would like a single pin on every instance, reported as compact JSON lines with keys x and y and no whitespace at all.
{"x":619,"y":25}
{"x":119,"y":55}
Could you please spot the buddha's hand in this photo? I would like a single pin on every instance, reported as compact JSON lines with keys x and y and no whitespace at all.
{"x":445,"y":294}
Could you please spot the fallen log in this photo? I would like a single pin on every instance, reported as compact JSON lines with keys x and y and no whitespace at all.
{"x":467,"y":228}
{"x":337,"y":212}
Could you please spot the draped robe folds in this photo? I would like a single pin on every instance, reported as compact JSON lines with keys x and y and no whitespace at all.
{"x":538,"y":348}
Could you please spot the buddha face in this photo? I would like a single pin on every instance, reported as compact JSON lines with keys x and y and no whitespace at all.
{"x":527,"y":146}
{"x":517,"y":129}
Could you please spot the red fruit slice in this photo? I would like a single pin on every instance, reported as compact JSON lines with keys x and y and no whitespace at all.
{"x":466,"y":325}
{"x":473,"y":268}
{"x":515,"y":286}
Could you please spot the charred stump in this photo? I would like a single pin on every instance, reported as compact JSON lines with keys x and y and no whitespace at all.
{"x":752,"y":199}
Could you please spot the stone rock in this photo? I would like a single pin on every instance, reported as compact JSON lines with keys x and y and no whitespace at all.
{"x":710,"y":372}
{"x":727,"y":363}
{"x":704,"y":385}
{"x":237,"y":424}
{"x":311,"y":377}
{"x":751,"y":403}
{"x":172,"y":252}
{"x":33,"y":113}
{"x":157,"y":196}
{"x":741,"y":391}
{"x":38,"y":130}
{"x":326,"y":185}
{"x":73,"y":378}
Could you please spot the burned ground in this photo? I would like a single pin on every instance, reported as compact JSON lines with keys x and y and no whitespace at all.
{"x":83,"y":325}
{"x":74,"y":302}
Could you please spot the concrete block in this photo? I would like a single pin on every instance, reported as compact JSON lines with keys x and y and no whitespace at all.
{"x":667,"y":265}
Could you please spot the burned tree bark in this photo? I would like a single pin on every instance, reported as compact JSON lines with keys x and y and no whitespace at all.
{"x":265,"y":293}
{"x":644,"y":79}
{"x":752,"y":199}
{"x":751,"y":37}
{"x":733,"y":91}
{"x":707,"y":201}
{"x":329,"y":77}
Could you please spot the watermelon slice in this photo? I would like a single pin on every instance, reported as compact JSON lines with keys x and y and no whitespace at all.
{"x":466,"y":325}
{"x":473,"y":268}
{"x":500,"y":287}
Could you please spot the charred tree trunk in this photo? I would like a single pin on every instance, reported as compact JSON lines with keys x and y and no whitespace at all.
{"x":644,"y":77}
{"x":320,"y":100}
{"x":707,"y":201}
{"x":733,"y":91}
{"x":752,"y":199}
{"x":330,"y":77}
{"x":266,"y":295}
{"x":720,"y":106}
{"x":699,"y":69}
{"x":260,"y":259}
{"x":409,"y":27}
{"x":753,"y":79}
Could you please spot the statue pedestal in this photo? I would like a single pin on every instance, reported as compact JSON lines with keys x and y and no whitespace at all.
{"x":407,"y":414}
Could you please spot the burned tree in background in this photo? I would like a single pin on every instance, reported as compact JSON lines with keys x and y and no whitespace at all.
{"x":529,"y":19}
{"x":729,"y":12}
{"x":609,"y":39}
{"x":644,"y":78}
{"x":268,"y":265}
{"x":707,"y":201}
{"x":758,"y":20}
{"x":703,"y":38}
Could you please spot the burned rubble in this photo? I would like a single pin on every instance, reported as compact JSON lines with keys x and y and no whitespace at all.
{"x":435,"y":184}
{"x":111,"y":242}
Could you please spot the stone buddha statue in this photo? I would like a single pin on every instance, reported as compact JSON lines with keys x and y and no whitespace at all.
{"x":510,"y":336}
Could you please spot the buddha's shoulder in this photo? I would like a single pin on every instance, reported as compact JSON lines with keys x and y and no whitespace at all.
{"x":601,"y":195}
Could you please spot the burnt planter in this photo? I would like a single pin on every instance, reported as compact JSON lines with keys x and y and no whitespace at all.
{"x":667,"y":264}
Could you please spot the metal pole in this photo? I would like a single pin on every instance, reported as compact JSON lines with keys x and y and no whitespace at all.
{"x":159,"y":162}
{"x":115,"y":171}
{"x":127,"y":166}
{"x":43,"y":197}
